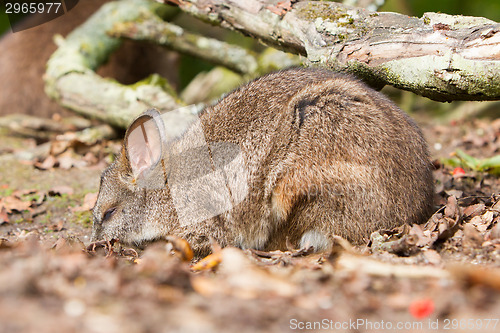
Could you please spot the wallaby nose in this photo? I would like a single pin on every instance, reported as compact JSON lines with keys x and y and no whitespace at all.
{"x":96,"y":234}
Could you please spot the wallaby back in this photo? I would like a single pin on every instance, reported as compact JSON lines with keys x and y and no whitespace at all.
{"x":300,"y":154}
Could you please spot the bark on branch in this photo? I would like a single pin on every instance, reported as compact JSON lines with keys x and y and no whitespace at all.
{"x":151,"y":28}
{"x":70,"y":78}
{"x":439,"y":56}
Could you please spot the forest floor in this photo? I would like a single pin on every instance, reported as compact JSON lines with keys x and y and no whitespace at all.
{"x":440,"y":276}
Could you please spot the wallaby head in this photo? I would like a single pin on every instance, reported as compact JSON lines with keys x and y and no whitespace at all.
{"x":130,"y":207}
{"x":298,"y":155}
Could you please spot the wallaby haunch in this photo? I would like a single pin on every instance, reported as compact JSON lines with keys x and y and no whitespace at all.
{"x":299,"y":154}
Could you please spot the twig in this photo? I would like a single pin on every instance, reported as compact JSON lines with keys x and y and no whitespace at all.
{"x":353,"y":263}
{"x":150,"y":27}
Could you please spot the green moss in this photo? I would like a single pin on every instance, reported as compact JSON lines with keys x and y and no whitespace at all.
{"x":6,"y":192}
{"x":46,"y":219}
{"x":159,"y":81}
{"x":322,"y":10}
{"x":31,"y":197}
{"x":342,"y":37}
{"x":84,"y":218}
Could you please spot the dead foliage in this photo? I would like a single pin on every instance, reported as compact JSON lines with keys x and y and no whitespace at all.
{"x":52,"y":279}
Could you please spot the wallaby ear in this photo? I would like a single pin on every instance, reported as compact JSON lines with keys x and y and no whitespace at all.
{"x":143,"y":142}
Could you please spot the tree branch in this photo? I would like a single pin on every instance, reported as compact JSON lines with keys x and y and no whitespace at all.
{"x":71,"y":80}
{"x":439,"y":56}
{"x":150,"y":27}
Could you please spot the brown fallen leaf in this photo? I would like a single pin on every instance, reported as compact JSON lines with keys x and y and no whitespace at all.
{"x":38,"y":211}
{"x":494,"y":232}
{"x":181,"y":246}
{"x":208,"y":263}
{"x":13,"y":203}
{"x":61,"y":189}
{"x":68,"y":245}
{"x":67,"y":160}
{"x":58,"y":147}
{"x":472,"y":237}
{"x":5,"y":244}
{"x":88,"y":203}
{"x":477,"y":275}
{"x":47,"y":164}
{"x":424,"y":237}
{"x":405,"y":245}
{"x":4,"y":218}
{"x":90,"y":158}
{"x":240,"y":277}
{"x":432,"y":256}
{"x":482,"y":222}
{"x":129,"y":252}
{"x":57,"y":226}
{"x":496,"y":206}
{"x":451,"y":210}
{"x":474,"y":210}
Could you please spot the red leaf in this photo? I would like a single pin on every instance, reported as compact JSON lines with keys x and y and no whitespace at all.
{"x":458,"y":172}
{"x":422,"y":308}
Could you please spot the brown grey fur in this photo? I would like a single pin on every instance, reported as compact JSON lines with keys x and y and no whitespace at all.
{"x":323,"y":155}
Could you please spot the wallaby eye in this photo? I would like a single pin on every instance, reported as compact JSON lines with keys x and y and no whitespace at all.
{"x":107,"y":215}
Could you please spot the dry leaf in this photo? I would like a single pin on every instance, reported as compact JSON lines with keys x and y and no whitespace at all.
{"x":66,"y":160}
{"x":181,"y":246}
{"x":57,"y":226}
{"x":58,"y":147}
{"x":474,"y":210}
{"x":242,"y":278}
{"x":208,"y":263}
{"x":472,"y":237}
{"x":88,"y":203}
{"x":432,"y":256}
{"x":12,"y":203}
{"x":494,"y":232}
{"x":451,"y":210}
{"x":4,"y":218}
{"x":47,"y":164}
{"x":90,"y":158}
{"x":61,"y":189}
{"x":477,"y":275}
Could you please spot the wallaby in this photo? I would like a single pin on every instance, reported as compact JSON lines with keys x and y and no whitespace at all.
{"x":298,"y":155}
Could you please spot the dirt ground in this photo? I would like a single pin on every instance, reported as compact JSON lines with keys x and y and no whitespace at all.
{"x":441,"y":276}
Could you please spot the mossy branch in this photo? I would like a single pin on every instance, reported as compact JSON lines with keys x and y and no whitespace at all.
{"x":439,"y":56}
{"x":151,"y":28}
{"x":71,"y":80}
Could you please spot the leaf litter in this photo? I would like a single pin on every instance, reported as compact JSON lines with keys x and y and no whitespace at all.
{"x":51,"y":279}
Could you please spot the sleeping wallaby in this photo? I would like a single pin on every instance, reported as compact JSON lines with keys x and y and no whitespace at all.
{"x":299,"y":154}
